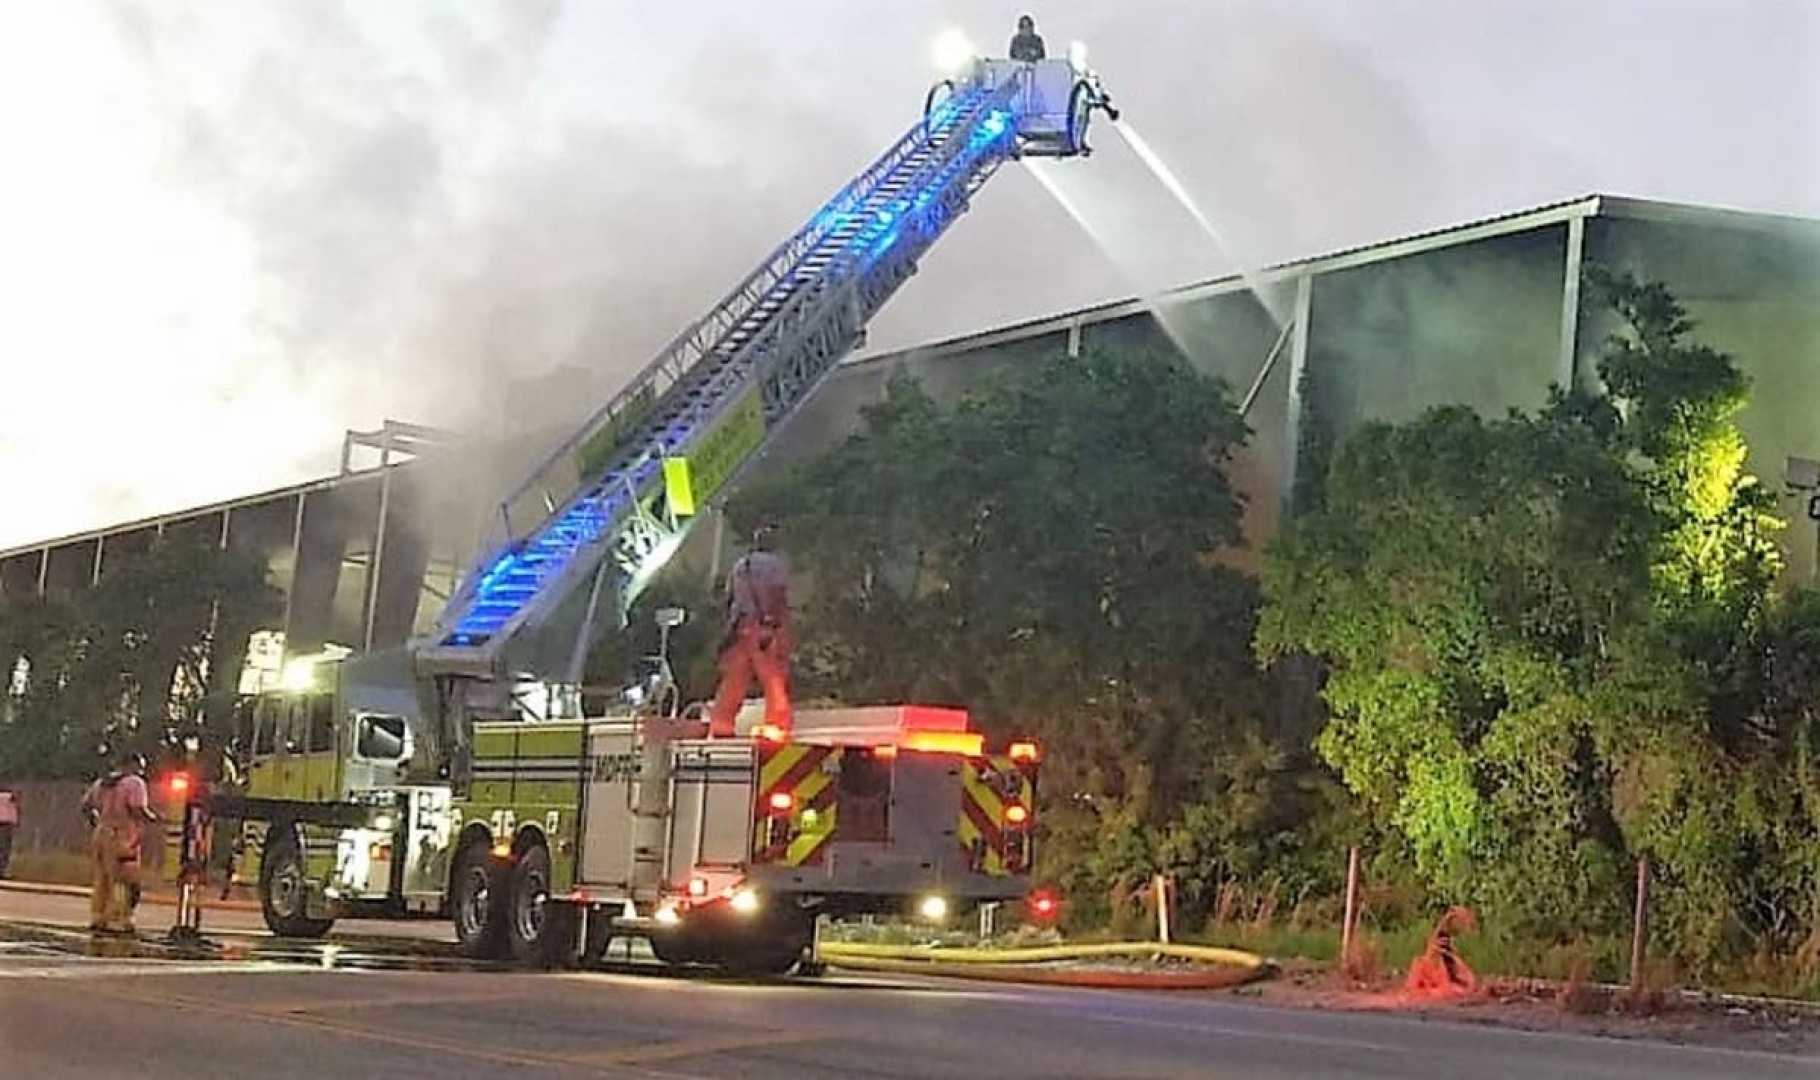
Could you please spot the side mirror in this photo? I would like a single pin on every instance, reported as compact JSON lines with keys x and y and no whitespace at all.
{"x":671,"y":617}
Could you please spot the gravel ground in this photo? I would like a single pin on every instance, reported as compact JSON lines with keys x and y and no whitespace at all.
{"x":1535,"y":1005}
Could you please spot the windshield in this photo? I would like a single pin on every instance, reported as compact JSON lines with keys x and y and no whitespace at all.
{"x":381,"y":737}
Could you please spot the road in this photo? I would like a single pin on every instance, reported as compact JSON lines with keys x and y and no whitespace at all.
{"x":69,"y":1009}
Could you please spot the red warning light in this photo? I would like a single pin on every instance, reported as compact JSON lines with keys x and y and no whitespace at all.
{"x":1015,"y":814}
{"x":1043,"y":904}
{"x":782,"y":802}
{"x":698,"y":886}
{"x":179,"y":784}
{"x":886,"y":751}
{"x":1023,"y":752}
{"x":769,"y":733}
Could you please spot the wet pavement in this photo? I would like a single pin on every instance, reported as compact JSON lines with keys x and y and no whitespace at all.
{"x":404,"y":1005}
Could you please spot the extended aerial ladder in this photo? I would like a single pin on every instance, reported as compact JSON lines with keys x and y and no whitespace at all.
{"x":595,"y":520}
{"x":407,"y":782}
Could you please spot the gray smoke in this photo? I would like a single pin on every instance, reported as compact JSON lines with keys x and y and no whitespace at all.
{"x":438,"y":200}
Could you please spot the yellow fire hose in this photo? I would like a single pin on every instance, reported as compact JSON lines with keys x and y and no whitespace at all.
{"x":1233,"y":967}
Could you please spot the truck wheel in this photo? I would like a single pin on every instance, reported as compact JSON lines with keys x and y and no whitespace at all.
{"x":775,"y":947}
{"x":284,"y":889}
{"x":674,"y":947}
{"x":477,"y":902}
{"x":541,"y":930}
{"x":767,"y":959}
{"x":600,"y":936}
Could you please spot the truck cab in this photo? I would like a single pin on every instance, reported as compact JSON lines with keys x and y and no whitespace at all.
{"x":329,"y":822}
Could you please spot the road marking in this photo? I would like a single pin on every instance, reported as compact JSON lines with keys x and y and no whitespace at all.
{"x":412,"y":1042}
{"x":88,"y":967}
{"x":688,"y":1048}
{"x":320,"y":1004}
{"x":1248,"y":1033}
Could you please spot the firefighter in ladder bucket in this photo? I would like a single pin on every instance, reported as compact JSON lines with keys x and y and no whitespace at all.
{"x":757,"y":640}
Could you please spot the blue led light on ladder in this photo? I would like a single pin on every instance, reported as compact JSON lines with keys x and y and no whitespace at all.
{"x":517,"y":576}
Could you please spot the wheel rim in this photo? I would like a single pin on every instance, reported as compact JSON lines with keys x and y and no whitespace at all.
{"x":528,"y":903}
{"x":287,"y":887}
{"x":475,"y":899}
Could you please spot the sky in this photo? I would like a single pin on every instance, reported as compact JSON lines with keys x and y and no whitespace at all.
{"x":234,"y":230}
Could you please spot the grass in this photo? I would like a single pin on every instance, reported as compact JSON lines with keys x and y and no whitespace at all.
{"x":1488,"y":951}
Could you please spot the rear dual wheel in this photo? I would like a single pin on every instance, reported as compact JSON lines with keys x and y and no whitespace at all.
{"x":541,"y":930}
{"x":504,"y":909}
{"x":477,"y":891}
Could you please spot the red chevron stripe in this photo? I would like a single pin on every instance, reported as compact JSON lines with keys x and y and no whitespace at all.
{"x":787,"y":782}
{"x":988,"y":831}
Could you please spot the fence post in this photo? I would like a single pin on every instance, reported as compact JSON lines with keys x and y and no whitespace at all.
{"x":988,"y":920}
{"x":1160,"y":885}
{"x":1640,"y":932}
{"x":1351,"y":916}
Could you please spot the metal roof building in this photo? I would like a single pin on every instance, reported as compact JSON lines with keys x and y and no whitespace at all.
{"x":1486,"y":314}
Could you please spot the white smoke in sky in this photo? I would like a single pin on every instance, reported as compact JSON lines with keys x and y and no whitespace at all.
{"x":235,"y":230}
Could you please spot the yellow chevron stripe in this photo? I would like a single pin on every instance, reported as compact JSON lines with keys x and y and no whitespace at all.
{"x":808,"y":843}
{"x":987,"y":799}
{"x":810,"y":787}
{"x":781,"y":762}
{"x":968,"y":832}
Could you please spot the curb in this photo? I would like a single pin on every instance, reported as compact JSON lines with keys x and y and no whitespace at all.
{"x":161,"y":899}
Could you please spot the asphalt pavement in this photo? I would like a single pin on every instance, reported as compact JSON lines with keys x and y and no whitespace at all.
{"x":70,"y":1007}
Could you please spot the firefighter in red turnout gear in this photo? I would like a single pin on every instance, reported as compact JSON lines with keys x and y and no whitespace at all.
{"x":758,"y":639}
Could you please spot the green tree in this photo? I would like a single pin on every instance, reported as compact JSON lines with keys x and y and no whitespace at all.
{"x":1049,"y":553}
{"x":146,"y":658}
{"x":1544,"y":639}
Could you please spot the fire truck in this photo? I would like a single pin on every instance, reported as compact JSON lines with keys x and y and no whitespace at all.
{"x":460,"y":777}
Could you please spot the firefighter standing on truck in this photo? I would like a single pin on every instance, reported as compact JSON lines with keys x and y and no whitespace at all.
{"x":116,"y":806}
{"x":758,"y":636}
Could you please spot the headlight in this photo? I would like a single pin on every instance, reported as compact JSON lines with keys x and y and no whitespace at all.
{"x":666,"y":915}
{"x":933,"y":908}
{"x":744,"y":901}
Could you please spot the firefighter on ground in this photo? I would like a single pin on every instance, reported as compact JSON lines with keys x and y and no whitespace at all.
{"x":116,"y":806}
{"x":758,"y":636}
{"x":1027,"y":44}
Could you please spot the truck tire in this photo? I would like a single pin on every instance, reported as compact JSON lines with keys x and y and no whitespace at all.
{"x":675,"y":947}
{"x":782,"y":946}
{"x":284,"y":888}
{"x":541,"y":930}
{"x":477,"y":894}
{"x":768,"y":958}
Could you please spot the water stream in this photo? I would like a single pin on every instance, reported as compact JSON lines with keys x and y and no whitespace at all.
{"x":1167,"y":315}
{"x":1166,"y":176}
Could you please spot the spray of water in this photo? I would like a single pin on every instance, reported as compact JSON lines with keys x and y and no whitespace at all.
{"x":1166,"y":176}
{"x":1166,"y":314}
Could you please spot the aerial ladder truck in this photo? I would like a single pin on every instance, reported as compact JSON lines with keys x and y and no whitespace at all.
{"x":458,"y":776}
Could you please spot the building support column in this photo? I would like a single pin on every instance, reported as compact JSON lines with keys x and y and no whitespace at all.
{"x":290,"y":589}
{"x":376,"y":552}
{"x":1298,"y":363}
{"x":44,"y":568}
{"x":94,"y":577}
{"x":1074,"y":337}
{"x":1566,"y":374}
